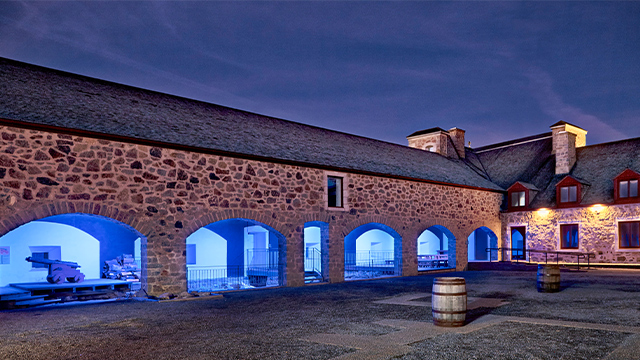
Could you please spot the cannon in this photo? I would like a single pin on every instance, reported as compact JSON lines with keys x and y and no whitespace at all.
{"x":60,"y":270}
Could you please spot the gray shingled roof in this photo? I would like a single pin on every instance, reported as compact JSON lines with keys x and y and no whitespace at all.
{"x":39,"y":95}
{"x":532,"y":162}
{"x":597,"y":166}
{"x":506,"y":164}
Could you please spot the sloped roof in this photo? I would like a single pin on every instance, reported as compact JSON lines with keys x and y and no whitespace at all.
{"x":529,"y":160}
{"x":43,"y":96}
{"x":427,"y":131}
{"x":517,"y":160}
{"x":597,"y":166}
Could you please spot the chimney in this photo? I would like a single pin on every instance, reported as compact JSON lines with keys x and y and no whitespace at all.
{"x":565,"y":139}
{"x":457,"y":137}
{"x":447,"y":143}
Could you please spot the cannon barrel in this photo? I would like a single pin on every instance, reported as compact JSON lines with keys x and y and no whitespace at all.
{"x":53,"y":262}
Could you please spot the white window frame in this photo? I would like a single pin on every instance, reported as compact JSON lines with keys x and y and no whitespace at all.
{"x":616,"y":235}
{"x":345,"y":191}
{"x":559,"y":236}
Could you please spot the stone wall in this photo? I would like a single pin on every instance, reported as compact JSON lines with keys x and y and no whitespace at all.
{"x":598,"y":230}
{"x":167,"y":194}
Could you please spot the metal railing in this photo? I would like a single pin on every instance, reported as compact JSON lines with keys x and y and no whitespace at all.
{"x":262,"y":258}
{"x":370,"y":264}
{"x":313,"y":260}
{"x":529,"y":256}
{"x":369,"y":259}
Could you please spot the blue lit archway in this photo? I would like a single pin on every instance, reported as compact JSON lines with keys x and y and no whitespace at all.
{"x":235,"y":254}
{"x":89,"y":240}
{"x":436,"y":249}
{"x":479,"y":241}
{"x":372,"y":250}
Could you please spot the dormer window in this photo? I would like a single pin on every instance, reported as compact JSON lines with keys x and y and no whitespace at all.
{"x":518,"y":199}
{"x":519,"y":195}
{"x":568,"y":194}
{"x":626,"y":187}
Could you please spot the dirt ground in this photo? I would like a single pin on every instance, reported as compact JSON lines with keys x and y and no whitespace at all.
{"x":596,"y":315}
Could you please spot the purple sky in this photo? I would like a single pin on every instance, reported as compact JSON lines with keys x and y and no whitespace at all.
{"x":499,"y":70}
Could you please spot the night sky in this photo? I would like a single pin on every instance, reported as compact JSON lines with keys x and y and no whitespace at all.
{"x":499,"y":70}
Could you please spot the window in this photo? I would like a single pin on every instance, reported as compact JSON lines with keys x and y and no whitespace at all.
{"x":518,"y":199}
{"x":568,"y":194}
{"x":191,"y":254}
{"x":334,"y":191}
{"x":569,"y":236}
{"x":629,"y":233}
{"x":39,"y":256}
{"x":4,"y":255}
{"x":628,"y":188}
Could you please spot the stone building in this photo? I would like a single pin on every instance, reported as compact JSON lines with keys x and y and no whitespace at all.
{"x":213,"y":198}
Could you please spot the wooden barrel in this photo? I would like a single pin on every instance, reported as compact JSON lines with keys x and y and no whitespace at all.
{"x":548,"y":278}
{"x":449,"y":301}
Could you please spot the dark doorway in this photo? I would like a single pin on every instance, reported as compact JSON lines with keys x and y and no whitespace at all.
{"x":518,"y":242}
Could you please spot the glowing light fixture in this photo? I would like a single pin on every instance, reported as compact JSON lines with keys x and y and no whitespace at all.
{"x":543,"y":212}
{"x":597,"y":208}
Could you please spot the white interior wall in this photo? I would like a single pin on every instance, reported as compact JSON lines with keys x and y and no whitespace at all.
{"x":471,"y":248}
{"x":374,"y":240}
{"x":75,"y":245}
{"x":312,"y":238}
{"x":211,"y":248}
{"x":429,"y":243}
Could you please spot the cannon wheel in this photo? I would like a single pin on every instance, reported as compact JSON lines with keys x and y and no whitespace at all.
{"x":55,"y":279}
{"x":76,"y":279}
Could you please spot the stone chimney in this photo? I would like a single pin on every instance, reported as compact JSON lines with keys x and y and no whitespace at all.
{"x":457,"y":137}
{"x":439,"y":141}
{"x":565,"y":139}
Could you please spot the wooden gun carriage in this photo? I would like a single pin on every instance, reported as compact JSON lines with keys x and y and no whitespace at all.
{"x":60,"y":270}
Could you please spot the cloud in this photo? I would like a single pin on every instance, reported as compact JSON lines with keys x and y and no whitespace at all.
{"x":552,"y":104}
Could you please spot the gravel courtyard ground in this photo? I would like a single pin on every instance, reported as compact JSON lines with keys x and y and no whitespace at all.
{"x":595,"y":316}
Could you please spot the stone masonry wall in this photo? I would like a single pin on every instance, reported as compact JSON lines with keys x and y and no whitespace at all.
{"x":168,"y":194}
{"x":598,"y":230}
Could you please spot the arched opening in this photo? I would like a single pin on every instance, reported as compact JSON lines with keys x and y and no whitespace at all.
{"x":480,"y":240}
{"x":372,"y":250}
{"x":235,"y":254}
{"x":436,"y":249}
{"x":91,"y":241}
{"x":316,"y":252}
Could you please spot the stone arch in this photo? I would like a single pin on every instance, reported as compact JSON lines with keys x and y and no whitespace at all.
{"x":109,"y":220}
{"x":478,"y":241}
{"x":376,"y":262}
{"x":279,"y":230}
{"x":15,"y":217}
{"x":362,"y":220}
{"x":268,"y":218}
{"x":310,"y":262}
{"x":432,"y":256}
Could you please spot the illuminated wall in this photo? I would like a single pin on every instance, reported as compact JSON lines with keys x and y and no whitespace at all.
{"x":598,"y":230}
{"x":75,"y":245}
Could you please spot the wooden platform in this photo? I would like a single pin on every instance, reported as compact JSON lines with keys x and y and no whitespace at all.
{"x":40,"y":293}
{"x":41,"y":288}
